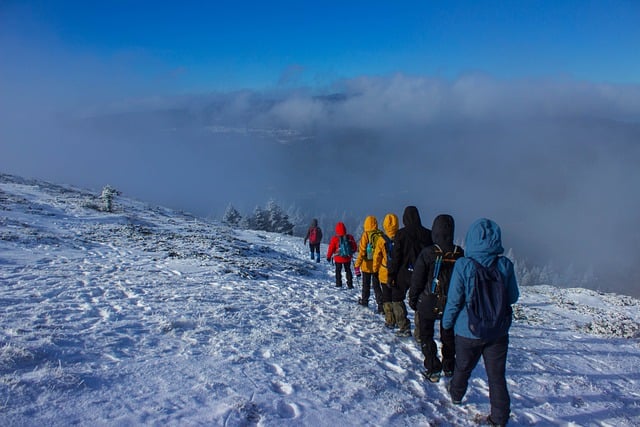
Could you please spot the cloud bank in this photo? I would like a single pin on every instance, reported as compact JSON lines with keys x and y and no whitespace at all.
{"x":555,"y":162}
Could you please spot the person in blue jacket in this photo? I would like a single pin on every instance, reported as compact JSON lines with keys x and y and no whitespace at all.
{"x":483,"y":244}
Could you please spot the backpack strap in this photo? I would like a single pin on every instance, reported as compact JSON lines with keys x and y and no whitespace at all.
{"x":436,"y":272}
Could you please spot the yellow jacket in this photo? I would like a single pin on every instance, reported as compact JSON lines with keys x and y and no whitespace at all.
{"x":370,"y":227}
{"x":390,"y":225}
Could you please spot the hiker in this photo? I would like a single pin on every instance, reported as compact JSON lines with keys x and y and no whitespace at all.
{"x":341,"y":248}
{"x":314,"y":236}
{"x":483,"y":245}
{"x":364,"y":262}
{"x":428,"y":295}
{"x":408,"y":243}
{"x":381,"y":258}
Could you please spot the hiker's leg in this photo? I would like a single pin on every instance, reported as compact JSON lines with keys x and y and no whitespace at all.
{"x":377,"y":291}
{"x":366,"y":288}
{"x":349,"y":274}
{"x":495,"y":361}
{"x":447,"y":338}
{"x":468,"y":352}
{"x":338,"y":274}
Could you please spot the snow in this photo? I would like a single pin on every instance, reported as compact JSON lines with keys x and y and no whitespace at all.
{"x":147,"y":316}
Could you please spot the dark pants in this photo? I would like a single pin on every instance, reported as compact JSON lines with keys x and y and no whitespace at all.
{"x":430,"y":349}
{"x":494,"y":354}
{"x":314,"y":247}
{"x":385,"y":293}
{"x":401,"y":287}
{"x":370,"y":280}
{"x":348,"y":273}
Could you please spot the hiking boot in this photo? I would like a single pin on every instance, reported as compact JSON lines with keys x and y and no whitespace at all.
{"x":350,"y":286}
{"x":380,"y":309}
{"x":339,"y":286}
{"x":432,"y":376}
{"x":453,"y":400}
{"x":448,"y":374}
{"x":489,"y":422}
{"x":390,"y":325}
{"x":363,"y":302}
{"x":403,"y":333}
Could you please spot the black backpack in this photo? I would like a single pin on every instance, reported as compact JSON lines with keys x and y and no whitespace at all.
{"x":388,"y":244}
{"x":489,"y":309}
{"x":435,"y":296}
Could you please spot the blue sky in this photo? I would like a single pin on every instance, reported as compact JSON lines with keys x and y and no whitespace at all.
{"x":190,"y":46}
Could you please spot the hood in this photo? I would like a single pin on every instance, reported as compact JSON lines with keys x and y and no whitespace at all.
{"x":411,"y":216}
{"x":484,"y":241}
{"x":370,"y":223}
{"x":390,"y":225}
{"x":314,"y":222}
{"x":341,"y":229}
{"x":442,"y":232}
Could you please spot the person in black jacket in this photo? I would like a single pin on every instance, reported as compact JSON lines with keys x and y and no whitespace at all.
{"x":408,"y":243}
{"x":429,"y":302}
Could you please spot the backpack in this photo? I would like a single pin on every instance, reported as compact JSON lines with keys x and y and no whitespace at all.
{"x":489,"y":309}
{"x":435,"y":297}
{"x":345,"y":249}
{"x":388,"y":245}
{"x":314,"y":235}
{"x":371,"y":245}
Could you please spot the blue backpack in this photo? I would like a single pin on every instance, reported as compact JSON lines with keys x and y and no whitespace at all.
{"x":345,"y":248}
{"x":388,"y":244}
{"x":489,"y":309}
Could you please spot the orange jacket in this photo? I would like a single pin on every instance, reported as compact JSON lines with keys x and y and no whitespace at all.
{"x":390,"y":225}
{"x":370,"y":228}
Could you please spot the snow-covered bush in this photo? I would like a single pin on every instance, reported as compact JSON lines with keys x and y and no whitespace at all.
{"x":107,"y":195}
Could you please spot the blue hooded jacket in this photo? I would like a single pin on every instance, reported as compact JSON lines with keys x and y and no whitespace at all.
{"x":483,"y":243}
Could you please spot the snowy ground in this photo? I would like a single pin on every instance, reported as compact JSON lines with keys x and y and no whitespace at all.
{"x":148,"y":316}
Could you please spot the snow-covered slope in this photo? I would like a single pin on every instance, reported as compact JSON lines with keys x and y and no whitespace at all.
{"x":147,"y":316}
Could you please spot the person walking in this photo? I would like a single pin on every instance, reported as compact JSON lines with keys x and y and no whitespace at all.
{"x":428,"y":296}
{"x":314,"y":236}
{"x":408,"y":243}
{"x":482,"y":263}
{"x":364,"y":262}
{"x":341,"y":248}
{"x":381,"y":261}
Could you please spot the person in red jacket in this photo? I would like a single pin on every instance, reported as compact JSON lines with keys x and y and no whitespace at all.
{"x":341,"y":248}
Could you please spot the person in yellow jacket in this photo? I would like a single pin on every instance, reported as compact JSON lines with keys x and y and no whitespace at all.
{"x":364,"y":262}
{"x":381,"y":255}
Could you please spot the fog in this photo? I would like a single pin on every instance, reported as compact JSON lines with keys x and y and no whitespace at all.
{"x":553,"y":161}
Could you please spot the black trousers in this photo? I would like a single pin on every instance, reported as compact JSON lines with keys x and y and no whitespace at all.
{"x":430,"y":349}
{"x":370,"y":280}
{"x":494,"y":354}
{"x":348,"y":273}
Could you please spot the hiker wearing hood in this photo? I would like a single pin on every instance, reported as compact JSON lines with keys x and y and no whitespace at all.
{"x":364,"y":262}
{"x":428,"y":295}
{"x":381,"y":260}
{"x":408,"y":243}
{"x":314,"y":236}
{"x":341,"y":248}
{"x":483,"y":245}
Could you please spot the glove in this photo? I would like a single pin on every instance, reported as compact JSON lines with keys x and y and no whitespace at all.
{"x":329,"y":259}
{"x":358,"y":272}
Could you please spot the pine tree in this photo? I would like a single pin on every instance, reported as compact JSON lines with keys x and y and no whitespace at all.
{"x":231,"y":216}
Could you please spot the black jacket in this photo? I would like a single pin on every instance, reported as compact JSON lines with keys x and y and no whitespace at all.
{"x":424,"y":269}
{"x":408,"y":243}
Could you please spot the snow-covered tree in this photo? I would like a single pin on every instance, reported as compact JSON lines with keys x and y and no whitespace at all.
{"x":278,"y":221}
{"x":231,"y":216}
{"x":107,"y":195}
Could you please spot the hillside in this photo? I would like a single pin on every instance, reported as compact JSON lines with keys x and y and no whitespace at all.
{"x":147,"y":316}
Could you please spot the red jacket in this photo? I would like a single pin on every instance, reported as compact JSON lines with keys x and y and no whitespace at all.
{"x":334,"y":244}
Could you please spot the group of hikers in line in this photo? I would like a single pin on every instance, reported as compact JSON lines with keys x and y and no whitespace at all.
{"x":441,"y":281}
